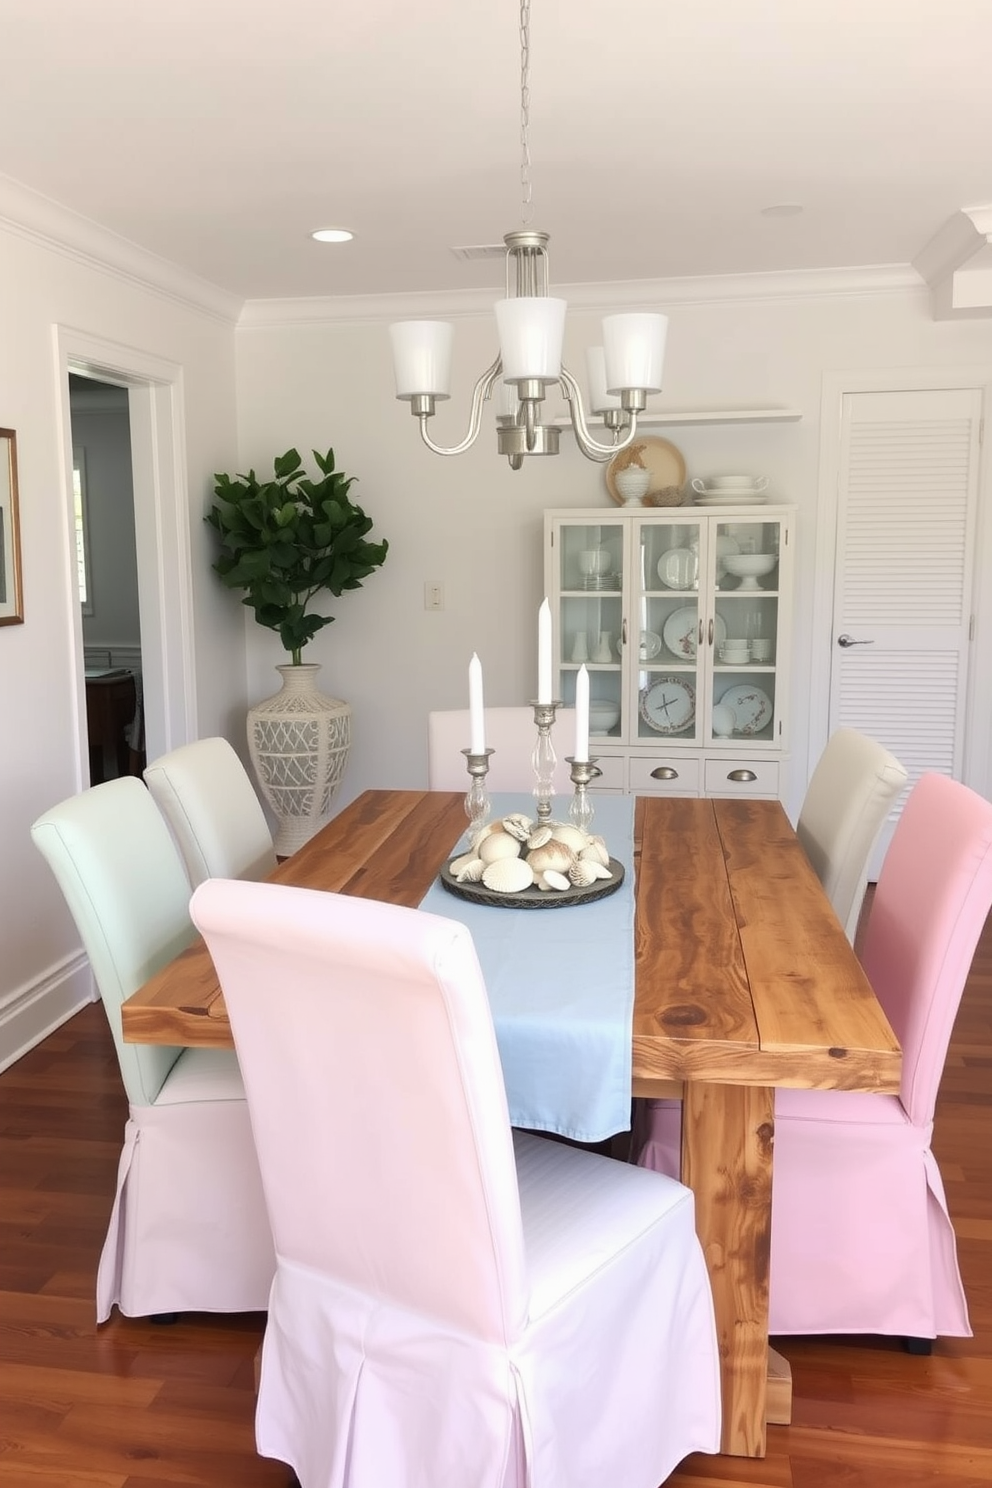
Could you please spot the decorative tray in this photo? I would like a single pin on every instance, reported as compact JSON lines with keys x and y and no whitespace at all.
{"x":659,"y":456}
{"x":533,"y":897}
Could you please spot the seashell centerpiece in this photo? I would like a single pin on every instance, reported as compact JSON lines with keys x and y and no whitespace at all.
{"x":518,"y":863}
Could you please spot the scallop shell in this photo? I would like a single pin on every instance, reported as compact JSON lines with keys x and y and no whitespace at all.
{"x":498,"y":845}
{"x":507,"y":876}
{"x":518,"y":826}
{"x":466,"y":869}
{"x":572,"y":837}
{"x":552,"y":855}
{"x":586,"y":872}
{"x":596,"y":852}
{"x":552,"y":880}
{"x":539,"y":837}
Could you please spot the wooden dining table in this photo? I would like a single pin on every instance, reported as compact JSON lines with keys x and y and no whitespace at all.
{"x":744,"y":981}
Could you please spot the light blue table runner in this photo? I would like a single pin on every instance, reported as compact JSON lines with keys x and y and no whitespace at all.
{"x":561,"y":989}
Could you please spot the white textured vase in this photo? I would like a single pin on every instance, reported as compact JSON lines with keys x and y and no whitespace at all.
{"x":298,"y":742}
{"x":632,"y":484}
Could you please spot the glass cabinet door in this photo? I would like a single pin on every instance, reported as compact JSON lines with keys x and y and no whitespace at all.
{"x":745,"y":577}
{"x":669,"y":617}
{"x":591,"y":581}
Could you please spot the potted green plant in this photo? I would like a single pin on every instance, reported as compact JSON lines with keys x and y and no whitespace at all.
{"x":285,"y":542}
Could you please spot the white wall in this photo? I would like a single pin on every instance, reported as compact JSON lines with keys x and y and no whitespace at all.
{"x":476,"y":526}
{"x":42,"y":286}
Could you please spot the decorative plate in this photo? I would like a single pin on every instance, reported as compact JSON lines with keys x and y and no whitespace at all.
{"x":678,"y":568}
{"x":533,"y":897}
{"x":751,"y":707}
{"x":669,"y":704}
{"x":680,"y":629}
{"x":661,"y":458}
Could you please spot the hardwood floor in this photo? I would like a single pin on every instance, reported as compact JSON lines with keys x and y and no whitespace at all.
{"x":134,"y":1405}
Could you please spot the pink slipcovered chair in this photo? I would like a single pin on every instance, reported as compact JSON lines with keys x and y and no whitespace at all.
{"x":188,"y":1230}
{"x":861,"y":1239}
{"x":452,"y":1305}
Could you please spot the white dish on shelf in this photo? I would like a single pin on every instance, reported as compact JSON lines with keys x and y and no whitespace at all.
{"x":668,"y":705}
{"x":751,"y":707}
{"x":650,"y":645}
{"x":732,"y":498}
{"x":730,"y":482}
{"x":680,"y":629}
{"x":749,"y":567}
{"x":678,"y":568}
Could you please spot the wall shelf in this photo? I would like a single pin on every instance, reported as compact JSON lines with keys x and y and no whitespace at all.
{"x":703,"y":416}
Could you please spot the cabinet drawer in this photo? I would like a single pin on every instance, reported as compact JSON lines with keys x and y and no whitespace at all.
{"x":611,"y":766}
{"x":760,"y":777}
{"x":667,"y":775}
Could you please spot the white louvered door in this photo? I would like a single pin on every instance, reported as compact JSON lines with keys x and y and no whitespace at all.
{"x":904,"y":576}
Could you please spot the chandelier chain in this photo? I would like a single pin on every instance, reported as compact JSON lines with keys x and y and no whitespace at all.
{"x":526,"y":188}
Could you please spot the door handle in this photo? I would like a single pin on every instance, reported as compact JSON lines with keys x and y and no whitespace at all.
{"x":846,"y":640}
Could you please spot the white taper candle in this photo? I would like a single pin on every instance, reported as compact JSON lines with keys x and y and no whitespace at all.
{"x":544,"y":653}
{"x":582,"y":715}
{"x":476,"y":708}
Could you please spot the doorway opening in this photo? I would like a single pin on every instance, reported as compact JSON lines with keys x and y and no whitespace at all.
{"x":107,"y":575}
{"x":131,"y":580}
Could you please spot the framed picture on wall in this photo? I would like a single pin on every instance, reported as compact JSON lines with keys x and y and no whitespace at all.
{"x":11,"y":608}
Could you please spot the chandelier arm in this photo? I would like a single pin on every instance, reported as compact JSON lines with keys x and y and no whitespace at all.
{"x":589,"y":446}
{"x":483,"y":390}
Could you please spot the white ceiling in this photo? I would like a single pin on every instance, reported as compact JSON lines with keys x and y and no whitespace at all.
{"x":219,"y":133}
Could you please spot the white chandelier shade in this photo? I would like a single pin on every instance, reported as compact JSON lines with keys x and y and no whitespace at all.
{"x":634,"y":351}
{"x":531,"y":333}
{"x":422,"y":358}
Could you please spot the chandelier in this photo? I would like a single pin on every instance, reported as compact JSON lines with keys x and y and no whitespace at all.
{"x":531,"y":327}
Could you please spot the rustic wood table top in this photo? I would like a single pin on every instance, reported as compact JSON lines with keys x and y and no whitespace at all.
{"x":744,"y":980}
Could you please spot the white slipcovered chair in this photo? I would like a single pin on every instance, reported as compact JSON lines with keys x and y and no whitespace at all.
{"x":861,"y":1240}
{"x":850,"y":794}
{"x":446,"y":1310}
{"x":188,"y":1231}
{"x":511,"y":733}
{"x":204,"y":793}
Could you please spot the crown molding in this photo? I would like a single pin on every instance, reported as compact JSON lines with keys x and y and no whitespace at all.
{"x":28,"y":214}
{"x":705,"y":290}
{"x":957,"y":265}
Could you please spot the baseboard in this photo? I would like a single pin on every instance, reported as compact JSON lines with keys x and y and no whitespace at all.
{"x":37,"y":1009}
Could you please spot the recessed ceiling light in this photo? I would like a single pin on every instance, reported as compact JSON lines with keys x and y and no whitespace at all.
{"x":783,"y":209}
{"x":332,"y":235}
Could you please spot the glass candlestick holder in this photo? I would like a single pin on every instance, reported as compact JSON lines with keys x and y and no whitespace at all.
{"x":581,"y":810}
{"x":477,"y":803}
{"x":544,"y":758}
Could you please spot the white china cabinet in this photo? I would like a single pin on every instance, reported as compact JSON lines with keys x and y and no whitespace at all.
{"x":682,"y":616}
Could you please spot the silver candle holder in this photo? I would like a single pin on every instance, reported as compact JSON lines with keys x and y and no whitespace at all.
{"x":544,"y":758}
{"x":581,"y":810}
{"x":477,"y":803}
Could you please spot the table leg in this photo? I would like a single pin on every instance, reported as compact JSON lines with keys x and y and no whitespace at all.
{"x":727,"y":1162}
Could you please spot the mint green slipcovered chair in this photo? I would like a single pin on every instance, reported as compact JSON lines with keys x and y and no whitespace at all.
{"x":207,"y":798}
{"x":188,"y":1229}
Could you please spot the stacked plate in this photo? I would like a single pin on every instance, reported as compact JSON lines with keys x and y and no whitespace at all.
{"x":730,"y":490}
{"x":596,"y":582}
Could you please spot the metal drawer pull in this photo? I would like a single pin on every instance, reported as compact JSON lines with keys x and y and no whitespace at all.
{"x":664,"y":772}
{"x":742,"y":775}
{"x":846,"y":640}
